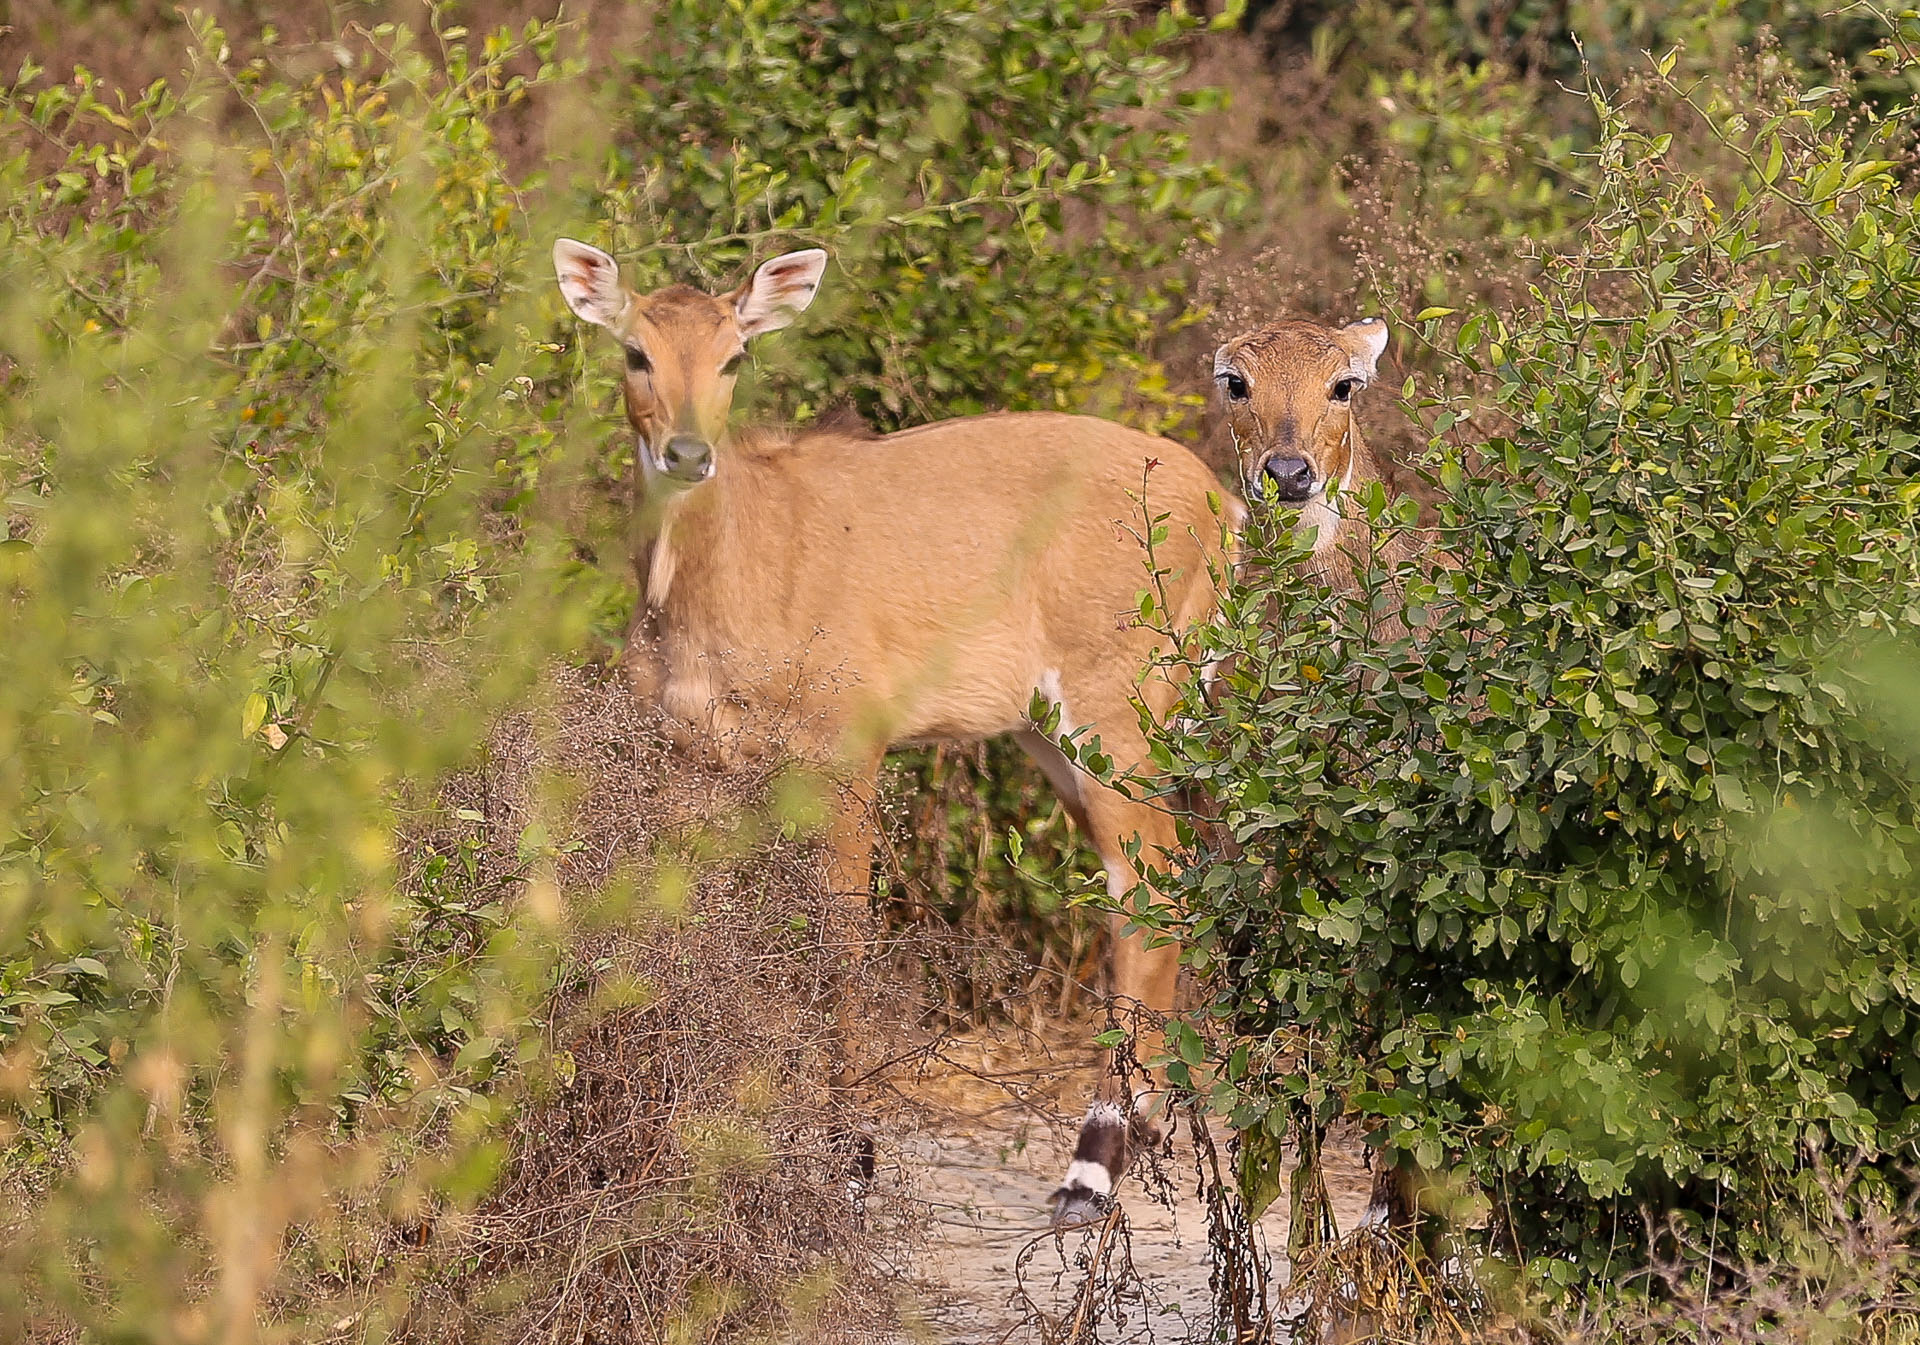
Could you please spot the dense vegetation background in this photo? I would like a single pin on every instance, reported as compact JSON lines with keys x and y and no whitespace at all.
{"x":309,"y":975}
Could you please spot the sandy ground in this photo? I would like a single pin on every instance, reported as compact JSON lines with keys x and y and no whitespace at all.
{"x":998,"y":1115}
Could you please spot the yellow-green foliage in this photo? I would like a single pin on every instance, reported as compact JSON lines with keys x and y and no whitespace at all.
{"x":259,"y":591}
{"x":988,"y":115}
{"x":307,"y":476}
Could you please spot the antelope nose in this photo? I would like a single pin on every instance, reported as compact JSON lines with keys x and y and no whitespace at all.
{"x":687,"y":457}
{"x":1292,"y":478}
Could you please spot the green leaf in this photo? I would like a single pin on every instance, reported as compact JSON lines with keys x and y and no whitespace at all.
{"x":1186,"y":1042}
{"x":253,"y":714}
{"x":1261,"y":1164}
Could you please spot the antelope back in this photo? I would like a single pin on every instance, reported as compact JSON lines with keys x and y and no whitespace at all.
{"x":936,"y":578}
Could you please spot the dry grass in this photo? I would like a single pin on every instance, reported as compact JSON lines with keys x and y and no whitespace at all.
{"x":677,"y":1168}
{"x":983,"y":943}
{"x":1857,"y":1280}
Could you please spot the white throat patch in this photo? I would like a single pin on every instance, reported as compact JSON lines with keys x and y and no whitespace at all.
{"x":1323,"y":512}
{"x":660,"y":572}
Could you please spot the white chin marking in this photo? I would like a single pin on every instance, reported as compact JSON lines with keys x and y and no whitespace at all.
{"x":1107,"y":1113}
{"x":1092,"y":1176}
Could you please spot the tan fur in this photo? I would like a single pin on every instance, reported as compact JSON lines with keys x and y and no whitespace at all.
{"x":690,"y":337}
{"x":843,"y":593}
{"x":919,"y":587}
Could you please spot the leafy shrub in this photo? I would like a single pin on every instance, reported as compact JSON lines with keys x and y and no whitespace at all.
{"x":1043,"y":148}
{"x":1414,"y":155}
{"x":1595,"y":897}
{"x":265,"y":579}
{"x":303,"y":486}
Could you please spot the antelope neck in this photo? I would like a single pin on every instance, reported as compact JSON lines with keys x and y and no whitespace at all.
{"x":662,"y":522}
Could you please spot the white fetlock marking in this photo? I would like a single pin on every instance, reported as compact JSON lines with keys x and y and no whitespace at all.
{"x":1092,"y":1176}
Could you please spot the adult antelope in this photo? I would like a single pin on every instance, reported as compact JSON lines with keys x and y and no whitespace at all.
{"x":919,"y":587}
{"x":1289,"y":390}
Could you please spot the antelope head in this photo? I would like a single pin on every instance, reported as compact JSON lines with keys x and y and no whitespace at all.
{"x":683,"y":349}
{"x":1289,"y":390}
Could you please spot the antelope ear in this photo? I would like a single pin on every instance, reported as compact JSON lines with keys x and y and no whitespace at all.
{"x":1369,"y":344}
{"x":778,"y":291}
{"x":589,"y":281}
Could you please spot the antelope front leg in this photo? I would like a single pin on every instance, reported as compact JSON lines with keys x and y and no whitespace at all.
{"x":850,"y":838}
{"x":1122,"y":1120}
{"x":848,"y":791}
{"x":1143,"y":979}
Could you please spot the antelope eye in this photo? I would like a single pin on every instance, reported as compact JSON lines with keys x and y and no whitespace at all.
{"x":1235,"y":385}
{"x":732,"y":366}
{"x":1345,"y":388}
{"x":637,"y":361}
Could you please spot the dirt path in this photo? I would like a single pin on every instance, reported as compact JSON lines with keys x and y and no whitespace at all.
{"x":998,"y":1129}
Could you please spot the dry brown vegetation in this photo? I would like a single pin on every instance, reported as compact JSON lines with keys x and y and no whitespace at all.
{"x":679,"y":1166}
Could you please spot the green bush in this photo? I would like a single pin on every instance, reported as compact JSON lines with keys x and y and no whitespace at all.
{"x":1430,"y":154}
{"x":1041,"y":143}
{"x":1596,"y":896}
{"x":307,"y":476}
{"x":266,"y":577}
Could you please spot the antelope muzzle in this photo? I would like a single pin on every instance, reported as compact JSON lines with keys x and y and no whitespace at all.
{"x":685,"y":458}
{"x":1287,"y":478}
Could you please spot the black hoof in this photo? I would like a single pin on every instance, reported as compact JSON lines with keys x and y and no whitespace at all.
{"x":855,"y":1148}
{"x":1078,"y":1206}
{"x":860,"y":1174}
